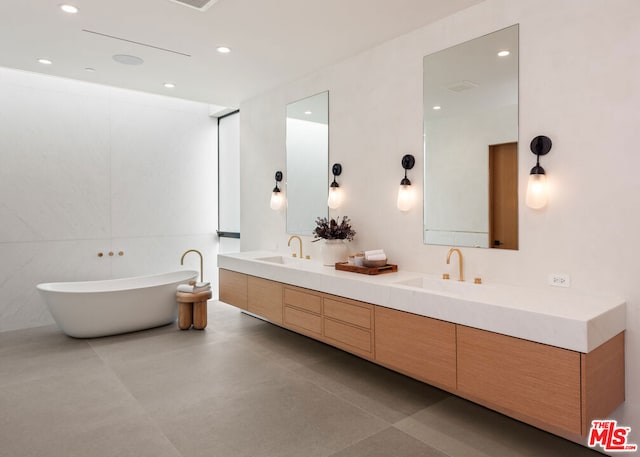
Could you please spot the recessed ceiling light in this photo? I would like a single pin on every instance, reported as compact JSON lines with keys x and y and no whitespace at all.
{"x":69,"y":9}
{"x":308,"y":112}
{"x":437,"y":107}
{"x":45,"y":61}
{"x":169,"y":85}
{"x":128,"y":60}
{"x":223,"y":49}
{"x":503,"y":53}
{"x":89,"y":69}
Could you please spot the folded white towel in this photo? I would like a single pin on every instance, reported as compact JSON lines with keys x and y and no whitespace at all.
{"x":372,"y":252}
{"x":203,"y":284}
{"x":377,"y":257}
{"x":193,"y":289}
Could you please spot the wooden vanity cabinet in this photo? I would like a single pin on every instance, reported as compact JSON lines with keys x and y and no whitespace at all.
{"x":265,"y":298}
{"x":555,"y":389}
{"x":303,"y":311}
{"x":523,"y":378}
{"x":552,"y":388}
{"x":418,"y":346}
{"x":232,"y":288}
{"x":348,"y":324}
{"x":603,"y":384}
{"x":256,"y":295}
{"x":344,"y":323}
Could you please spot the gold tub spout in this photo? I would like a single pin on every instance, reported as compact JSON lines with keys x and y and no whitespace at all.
{"x":201,"y":261}
{"x":461,"y":270}
{"x":299,"y":239}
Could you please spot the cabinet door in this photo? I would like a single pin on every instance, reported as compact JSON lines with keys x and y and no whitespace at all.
{"x":529,"y":379}
{"x":265,"y":298}
{"x":421,"y":347}
{"x":233,"y":288}
{"x":602,"y":380}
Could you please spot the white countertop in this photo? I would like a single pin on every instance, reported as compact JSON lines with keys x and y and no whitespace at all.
{"x":558,"y":317}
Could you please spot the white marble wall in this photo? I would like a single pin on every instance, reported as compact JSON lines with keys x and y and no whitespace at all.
{"x":88,"y":169}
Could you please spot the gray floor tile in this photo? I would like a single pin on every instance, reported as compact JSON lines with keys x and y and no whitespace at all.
{"x":242,"y":387}
{"x":463,"y":429}
{"x":387,"y":443}
{"x":228,"y":320}
{"x":42,"y":352}
{"x":287,"y":348}
{"x":173,"y":380}
{"x":132,"y":346}
{"x":76,"y":415}
{"x":285,"y":416}
{"x":383,"y":393}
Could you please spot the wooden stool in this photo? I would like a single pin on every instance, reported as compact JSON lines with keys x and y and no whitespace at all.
{"x":192,"y":309}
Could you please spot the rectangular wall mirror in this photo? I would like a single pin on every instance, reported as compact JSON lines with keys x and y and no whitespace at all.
{"x":471,"y":143}
{"x":307,"y":172}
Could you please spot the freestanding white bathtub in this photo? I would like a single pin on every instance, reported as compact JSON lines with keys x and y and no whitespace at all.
{"x":89,"y":309}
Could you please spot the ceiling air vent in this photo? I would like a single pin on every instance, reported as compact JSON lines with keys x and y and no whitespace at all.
{"x":200,"y":5}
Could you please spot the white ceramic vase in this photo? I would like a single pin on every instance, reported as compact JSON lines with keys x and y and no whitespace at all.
{"x":334,"y":251}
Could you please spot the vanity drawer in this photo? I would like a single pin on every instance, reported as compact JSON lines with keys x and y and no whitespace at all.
{"x":360,"y":315}
{"x":303,"y":300}
{"x":348,"y":337}
{"x":303,"y":320}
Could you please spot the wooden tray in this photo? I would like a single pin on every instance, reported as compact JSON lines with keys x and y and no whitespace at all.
{"x":388,"y":268}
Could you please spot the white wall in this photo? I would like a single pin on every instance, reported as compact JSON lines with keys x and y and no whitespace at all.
{"x":87,"y":169}
{"x":579,"y":73}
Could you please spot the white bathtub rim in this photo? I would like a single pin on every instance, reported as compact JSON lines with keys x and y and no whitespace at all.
{"x":118,"y":284}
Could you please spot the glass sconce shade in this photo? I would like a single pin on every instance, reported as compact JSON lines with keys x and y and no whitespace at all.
{"x":405,"y":192}
{"x":277,"y":199}
{"x":335,"y":192}
{"x":537,"y":191}
{"x":537,"y":185}
{"x":405,"y":197}
{"x":335,"y":197}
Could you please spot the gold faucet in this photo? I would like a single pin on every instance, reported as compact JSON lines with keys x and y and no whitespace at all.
{"x":299,"y":239}
{"x":451,"y":251}
{"x":201,"y":267}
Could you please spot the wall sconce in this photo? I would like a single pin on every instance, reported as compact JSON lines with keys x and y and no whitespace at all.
{"x":335,"y":192}
{"x":277,"y":199}
{"x":405,"y":193}
{"x":537,"y":186}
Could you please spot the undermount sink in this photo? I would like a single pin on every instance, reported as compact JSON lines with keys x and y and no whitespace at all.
{"x":294,"y":262}
{"x":444,"y":285}
{"x":282,"y":260}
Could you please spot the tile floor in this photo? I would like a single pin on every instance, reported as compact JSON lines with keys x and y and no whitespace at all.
{"x":242,"y":388}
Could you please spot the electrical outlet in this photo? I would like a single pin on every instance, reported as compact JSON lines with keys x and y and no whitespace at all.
{"x":559,"y":280}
